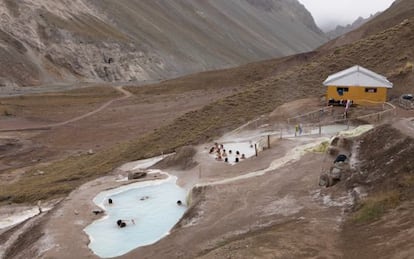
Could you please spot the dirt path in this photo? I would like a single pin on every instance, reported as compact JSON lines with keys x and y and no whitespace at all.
{"x":126,"y":95}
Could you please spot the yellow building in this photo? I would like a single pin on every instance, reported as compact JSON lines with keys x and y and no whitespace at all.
{"x":357,"y":84}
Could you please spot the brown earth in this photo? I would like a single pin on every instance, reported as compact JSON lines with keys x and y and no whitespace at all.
{"x":282,"y":214}
{"x":192,"y":113}
{"x":266,"y":86}
{"x":259,"y":210}
{"x":282,"y":211}
{"x":384,"y":220}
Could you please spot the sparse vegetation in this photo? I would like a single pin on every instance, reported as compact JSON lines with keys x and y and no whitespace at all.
{"x":321,"y":148}
{"x":407,"y":181}
{"x":198,"y":126}
{"x":49,"y":106}
{"x":377,"y":205}
{"x":408,"y":67}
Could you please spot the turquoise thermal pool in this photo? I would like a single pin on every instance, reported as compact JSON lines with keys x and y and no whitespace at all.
{"x":149,"y":209}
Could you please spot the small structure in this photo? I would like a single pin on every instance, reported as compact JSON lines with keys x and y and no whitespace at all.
{"x":357,"y":84}
{"x":407,"y":101}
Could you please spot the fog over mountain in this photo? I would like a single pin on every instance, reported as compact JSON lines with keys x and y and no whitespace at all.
{"x":341,"y":30}
{"x":329,"y":14}
{"x":47,"y":41}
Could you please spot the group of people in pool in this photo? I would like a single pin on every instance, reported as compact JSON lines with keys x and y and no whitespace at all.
{"x":123,"y":223}
{"x":223,"y":155}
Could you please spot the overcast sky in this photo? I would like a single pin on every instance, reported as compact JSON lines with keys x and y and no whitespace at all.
{"x":329,"y":13}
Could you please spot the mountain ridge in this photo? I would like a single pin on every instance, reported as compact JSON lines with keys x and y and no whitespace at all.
{"x":103,"y":40}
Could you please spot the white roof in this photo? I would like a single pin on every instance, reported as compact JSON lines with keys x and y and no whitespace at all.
{"x":357,"y":76}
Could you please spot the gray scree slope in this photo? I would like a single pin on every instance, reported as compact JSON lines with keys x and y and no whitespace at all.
{"x":48,"y":41}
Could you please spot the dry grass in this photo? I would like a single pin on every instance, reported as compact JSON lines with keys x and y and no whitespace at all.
{"x":407,"y":181}
{"x":57,"y":106}
{"x":321,"y":148}
{"x":377,"y":205}
{"x":259,"y":97}
{"x":194,"y":127}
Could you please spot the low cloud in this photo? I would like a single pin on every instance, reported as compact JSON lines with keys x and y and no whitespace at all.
{"x":329,"y":14}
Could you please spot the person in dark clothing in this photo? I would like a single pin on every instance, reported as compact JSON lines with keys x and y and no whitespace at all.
{"x":340,"y":158}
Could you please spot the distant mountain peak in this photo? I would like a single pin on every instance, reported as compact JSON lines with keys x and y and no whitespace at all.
{"x":341,"y":30}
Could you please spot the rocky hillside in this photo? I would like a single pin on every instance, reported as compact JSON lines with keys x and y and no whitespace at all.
{"x":399,"y":11}
{"x":341,"y":30}
{"x":49,"y":41}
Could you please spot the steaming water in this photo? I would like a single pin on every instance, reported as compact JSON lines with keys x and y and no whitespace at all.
{"x":243,"y":148}
{"x":154,"y":216}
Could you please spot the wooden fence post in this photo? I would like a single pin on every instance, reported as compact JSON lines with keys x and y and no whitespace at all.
{"x":268,"y":141}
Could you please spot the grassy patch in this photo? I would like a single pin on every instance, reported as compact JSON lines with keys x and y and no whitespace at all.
{"x":375,"y":206}
{"x":258,"y":97}
{"x":192,"y":128}
{"x":321,"y":148}
{"x":57,"y":106}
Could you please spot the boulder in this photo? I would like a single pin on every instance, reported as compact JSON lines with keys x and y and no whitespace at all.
{"x":136,"y":175}
{"x":336,"y":173}
{"x":324,"y":180}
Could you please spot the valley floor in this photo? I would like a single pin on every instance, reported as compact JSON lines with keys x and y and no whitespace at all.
{"x":281,"y":214}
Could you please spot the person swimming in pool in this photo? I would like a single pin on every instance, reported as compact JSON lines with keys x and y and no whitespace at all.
{"x":121,"y":223}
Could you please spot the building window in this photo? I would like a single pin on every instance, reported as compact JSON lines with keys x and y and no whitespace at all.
{"x":370,"y":90}
{"x":342,"y":90}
